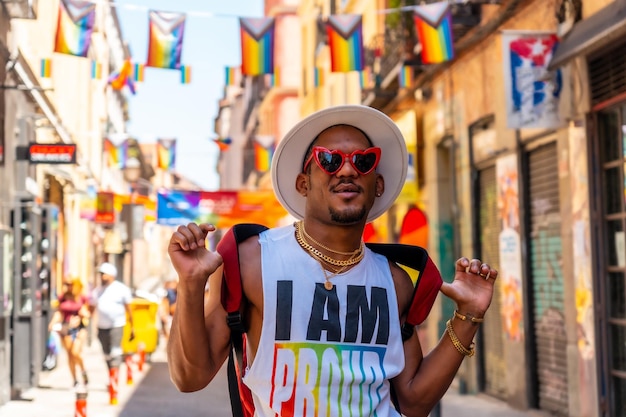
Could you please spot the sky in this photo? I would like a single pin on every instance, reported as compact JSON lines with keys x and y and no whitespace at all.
{"x":165,"y":108}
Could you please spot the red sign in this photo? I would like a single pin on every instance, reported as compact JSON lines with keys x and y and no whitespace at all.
{"x":52,"y":153}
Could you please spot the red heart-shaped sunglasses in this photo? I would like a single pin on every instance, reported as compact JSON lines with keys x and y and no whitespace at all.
{"x":331,"y":161}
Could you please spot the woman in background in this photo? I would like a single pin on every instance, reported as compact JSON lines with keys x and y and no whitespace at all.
{"x":70,"y":321}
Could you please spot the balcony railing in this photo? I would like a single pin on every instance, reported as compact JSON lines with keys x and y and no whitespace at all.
{"x":400,"y":45}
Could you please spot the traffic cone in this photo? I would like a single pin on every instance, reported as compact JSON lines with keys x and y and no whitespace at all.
{"x":129,"y":370}
{"x":141,"y":348}
{"x":80,"y":409}
{"x":113,"y":384}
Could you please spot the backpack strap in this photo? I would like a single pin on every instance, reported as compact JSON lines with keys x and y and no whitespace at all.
{"x":231,"y":297}
{"x":232,"y":292}
{"x":427,"y":284}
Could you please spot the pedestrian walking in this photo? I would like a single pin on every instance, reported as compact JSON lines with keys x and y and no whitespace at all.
{"x":168,"y":307}
{"x":324,"y":314}
{"x":70,"y":320}
{"x":111,"y":303}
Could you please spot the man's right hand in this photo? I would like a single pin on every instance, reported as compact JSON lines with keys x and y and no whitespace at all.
{"x":188,"y":253}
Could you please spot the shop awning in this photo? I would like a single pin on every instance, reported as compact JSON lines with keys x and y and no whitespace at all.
{"x":591,"y":34}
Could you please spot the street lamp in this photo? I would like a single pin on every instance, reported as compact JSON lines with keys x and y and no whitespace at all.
{"x":132,"y":170}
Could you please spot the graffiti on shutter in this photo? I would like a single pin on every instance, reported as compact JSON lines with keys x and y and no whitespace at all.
{"x":546,"y":278}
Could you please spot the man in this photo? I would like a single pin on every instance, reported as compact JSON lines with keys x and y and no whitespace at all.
{"x":111,"y":301}
{"x":323,"y":312}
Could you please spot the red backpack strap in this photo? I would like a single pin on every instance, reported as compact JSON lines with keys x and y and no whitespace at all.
{"x":232,"y":293}
{"x":427,"y":284}
{"x":231,"y":297}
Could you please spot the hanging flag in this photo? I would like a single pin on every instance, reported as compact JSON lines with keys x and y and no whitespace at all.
{"x":405,"y":77}
{"x":273,"y":80}
{"x":345,"y":37}
{"x":166,"y":154}
{"x":123,"y":77}
{"x":366,"y":78}
{"x":105,"y":208}
{"x":433,"y":23}
{"x":185,"y":74}
{"x":263,"y":157}
{"x":532,"y":93}
{"x":46,"y":68}
{"x":264,"y":146}
{"x":138,"y":70}
{"x":318,"y":76}
{"x":257,"y":45}
{"x":112,"y":159}
{"x":165,"y":39}
{"x":223,"y":143}
{"x":96,"y":70}
{"x":74,"y":26}
{"x":232,"y":75}
{"x":88,"y":203}
{"x":122,"y":153}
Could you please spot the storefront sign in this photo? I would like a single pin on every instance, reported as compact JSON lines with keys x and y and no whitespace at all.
{"x":52,"y":153}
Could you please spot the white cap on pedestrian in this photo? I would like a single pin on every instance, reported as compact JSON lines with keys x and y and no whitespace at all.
{"x":108,"y":269}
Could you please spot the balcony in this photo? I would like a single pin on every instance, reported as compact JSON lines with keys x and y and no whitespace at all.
{"x":21,"y":9}
{"x":388,"y":52}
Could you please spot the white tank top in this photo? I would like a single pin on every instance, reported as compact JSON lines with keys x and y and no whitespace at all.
{"x":324,"y":353}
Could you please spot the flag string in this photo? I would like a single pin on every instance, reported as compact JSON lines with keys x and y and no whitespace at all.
{"x":205,"y":14}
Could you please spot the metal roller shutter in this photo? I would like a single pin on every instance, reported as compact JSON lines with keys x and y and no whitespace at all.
{"x":492,"y":334}
{"x":546,"y":278}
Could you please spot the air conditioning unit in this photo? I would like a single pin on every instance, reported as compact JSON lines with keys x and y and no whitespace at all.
{"x":21,"y":9}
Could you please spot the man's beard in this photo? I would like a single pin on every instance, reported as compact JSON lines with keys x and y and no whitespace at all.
{"x":347,"y":216}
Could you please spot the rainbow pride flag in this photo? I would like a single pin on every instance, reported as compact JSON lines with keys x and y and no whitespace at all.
{"x":138,"y":72}
{"x":366,"y":78}
{"x":318,"y":76}
{"x":273,"y":80}
{"x":165,"y":45}
{"x":433,"y":24}
{"x":232,"y":75}
{"x":46,"y":68}
{"x":96,"y":70}
{"x":223,"y":143}
{"x":74,"y":26}
{"x":345,"y":37}
{"x":263,"y":157}
{"x":405,"y":77}
{"x":257,"y":45}
{"x":122,"y":153}
{"x":185,"y":74}
{"x":123,"y":77}
{"x":166,"y":153}
{"x":112,"y":153}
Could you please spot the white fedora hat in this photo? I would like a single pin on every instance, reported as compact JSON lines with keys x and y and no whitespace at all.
{"x":379,"y":128}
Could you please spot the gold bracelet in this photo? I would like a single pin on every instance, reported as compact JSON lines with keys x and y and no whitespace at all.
{"x":457,"y":343}
{"x":465,"y":317}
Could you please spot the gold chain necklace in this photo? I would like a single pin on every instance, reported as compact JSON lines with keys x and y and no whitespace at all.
{"x":300,"y":226}
{"x":356,"y":257}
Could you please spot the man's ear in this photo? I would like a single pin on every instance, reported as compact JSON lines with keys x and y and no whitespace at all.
{"x":302,"y":184}
{"x":380,"y":185}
